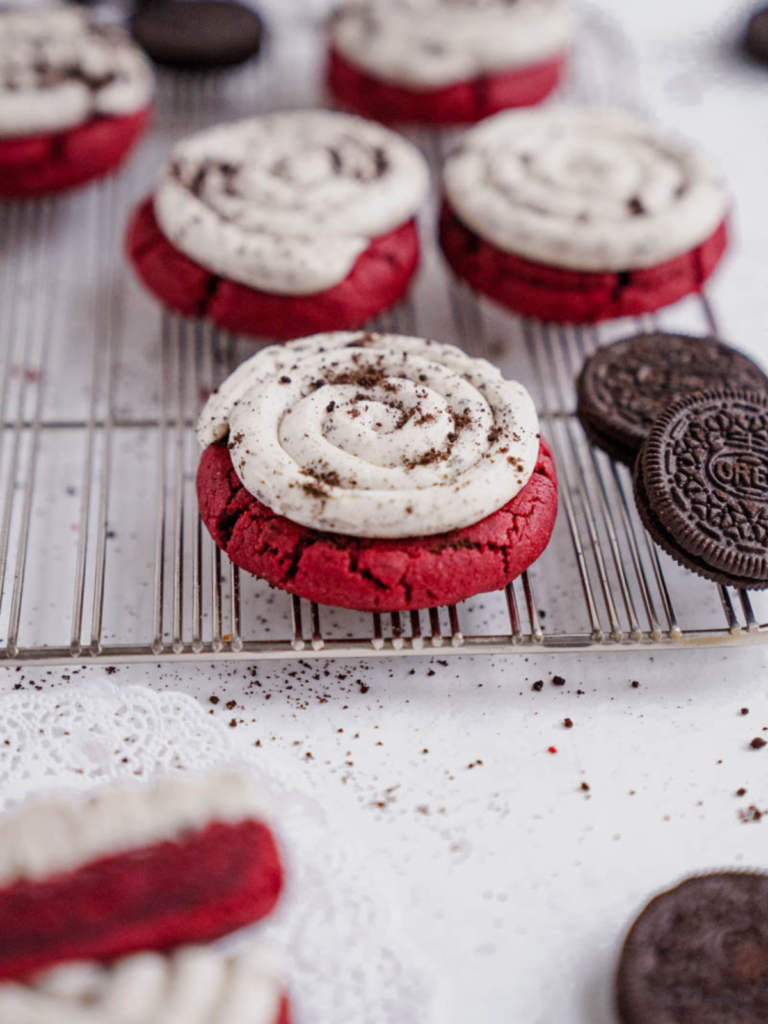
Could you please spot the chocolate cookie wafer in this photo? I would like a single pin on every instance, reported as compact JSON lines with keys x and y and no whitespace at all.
{"x":701,"y":486}
{"x":196,"y":35}
{"x":698,"y":954}
{"x":756,"y":36}
{"x":624,"y":387}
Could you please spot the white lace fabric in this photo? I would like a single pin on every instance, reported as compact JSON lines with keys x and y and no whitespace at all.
{"x":335,"y":928}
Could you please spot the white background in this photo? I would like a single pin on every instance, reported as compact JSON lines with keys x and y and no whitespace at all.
{"x":515,"y":884}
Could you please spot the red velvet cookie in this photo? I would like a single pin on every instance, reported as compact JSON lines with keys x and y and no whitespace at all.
{"x":446,"y":61}
{"x":572,"y":296}
{"x":283,"y":225}
{"x":375,"y":471}
{"x":371,"y":574}
{"x":577,"y":215}
{"x":75,"y":97}
{"x":52,"y":163}
{"x":458,"y":103}
{"x":378,"y":280}
{"x":184,"y":861}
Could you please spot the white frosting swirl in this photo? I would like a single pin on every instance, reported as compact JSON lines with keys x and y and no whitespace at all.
{"x":426,"y":44}
{"x":66,"y":830}
{"x":375,"y":435}
{"x":589,"y":190}
{"x":58,"y":71}
{"x":287,"y":202}
{"x":193,"y":985}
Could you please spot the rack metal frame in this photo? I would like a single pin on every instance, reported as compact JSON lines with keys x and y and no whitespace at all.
{"x":199,"y":613}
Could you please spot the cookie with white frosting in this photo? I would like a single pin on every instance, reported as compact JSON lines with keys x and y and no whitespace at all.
{"x":74,"y":98}
{"x":378,"y":472}
{"x":184,"y":859}
{"x":446,"y":61}
{"x":580,"y":215}
{"x":283,"y":224}
{"x":190,"y":985}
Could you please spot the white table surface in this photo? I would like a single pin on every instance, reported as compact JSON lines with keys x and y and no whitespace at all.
{"x":516,"y":884}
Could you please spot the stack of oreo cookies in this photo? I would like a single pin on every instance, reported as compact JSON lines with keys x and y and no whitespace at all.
{"x":691,"y":416}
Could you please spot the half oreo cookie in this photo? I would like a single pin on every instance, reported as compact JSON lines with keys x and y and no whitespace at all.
{"x":701,"y":486}
{"x":197,"y":35}
{"x":698,"y":954}
{"x":624,"y":387}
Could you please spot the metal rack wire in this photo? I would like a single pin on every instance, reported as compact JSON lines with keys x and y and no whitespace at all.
{"x":102,"y":554}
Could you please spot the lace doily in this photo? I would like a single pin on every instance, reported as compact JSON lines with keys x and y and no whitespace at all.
{"x":336,"y":928}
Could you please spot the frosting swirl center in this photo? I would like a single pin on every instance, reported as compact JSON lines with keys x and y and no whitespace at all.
{"x":375,"y":435}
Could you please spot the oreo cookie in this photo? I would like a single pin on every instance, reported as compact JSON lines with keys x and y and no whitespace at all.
{"x":756,"y":37}
{"x":698,"y":954}
{"x":197,"y":35}
{"x":624,"y":387}
{"x":701,"y":486}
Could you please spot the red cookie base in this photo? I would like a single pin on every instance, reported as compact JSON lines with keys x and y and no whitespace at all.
{"x":572,"y":296}
{"x":376,"y":575}
{"x":378,"y":280}
{"x":52,"y":163}
{"x":192,"y":889}
{"x":462,"y":103}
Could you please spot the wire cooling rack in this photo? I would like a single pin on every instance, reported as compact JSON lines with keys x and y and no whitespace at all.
{"x":102,"y":554}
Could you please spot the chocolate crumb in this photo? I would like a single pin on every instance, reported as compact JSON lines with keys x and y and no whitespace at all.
{"x":745,"y":711}
{"x":752,"y":813}
{"x":538,"y":685}
{"x":314,"y":491}
{"x":635,"y":684}
{"x":741,"y":792}
{"x":214,"y":699}
{"x":329,"y":477}
{"x":585,"y":787}
{"x":568,"y":723}
{"x":558,"y":681}
{"x":757,"y":743}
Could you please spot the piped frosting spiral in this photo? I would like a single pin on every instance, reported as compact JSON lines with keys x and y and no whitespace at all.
{"x":375,"y":435}
{"x":286,"y":203}
{"x":589,"y":190}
